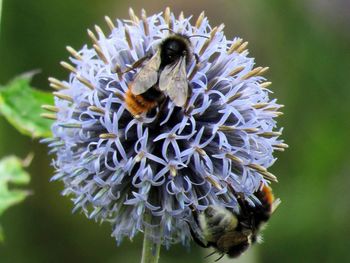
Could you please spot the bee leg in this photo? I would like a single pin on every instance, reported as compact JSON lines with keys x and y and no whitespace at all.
{"x":240,"y":199}
{"x":162,"y":102}
{"x":245,"y":208}
{"x":137,"y":63}
{"x":195,"y":235}
{"x":186,"y":108}
{"x":196,"y":57}
{"x":197,"y":240}
{"x":222,"y":255}
{"x":212,"y":253}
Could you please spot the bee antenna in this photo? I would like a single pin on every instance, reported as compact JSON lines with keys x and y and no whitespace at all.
{"x":198,"y":36}
{"x":168,"y":29}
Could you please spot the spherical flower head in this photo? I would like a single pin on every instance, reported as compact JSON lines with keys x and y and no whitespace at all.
{"x":153,"y":169}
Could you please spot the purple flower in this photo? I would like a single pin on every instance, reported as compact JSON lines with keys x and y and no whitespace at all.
{"x":118,"y":167}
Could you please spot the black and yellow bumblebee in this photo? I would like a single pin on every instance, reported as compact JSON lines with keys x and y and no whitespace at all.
{"x":162,"y":75}
{"x":232,"y":233}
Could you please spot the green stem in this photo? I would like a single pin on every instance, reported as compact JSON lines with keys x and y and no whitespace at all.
{"x":150,"y":250}
{"x":0,"y":13}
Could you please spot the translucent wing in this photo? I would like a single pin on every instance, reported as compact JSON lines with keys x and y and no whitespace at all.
{"x":147,"y":76}
{"x":275,"y":204}
{"x":173,"y":81}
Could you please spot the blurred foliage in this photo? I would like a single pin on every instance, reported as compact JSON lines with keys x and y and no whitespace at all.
{"x":309,"y":59}
{"x":20,"y":104}
{"x":11,"y":172}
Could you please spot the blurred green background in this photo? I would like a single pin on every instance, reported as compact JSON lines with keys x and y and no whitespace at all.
{"x":307,"y":46}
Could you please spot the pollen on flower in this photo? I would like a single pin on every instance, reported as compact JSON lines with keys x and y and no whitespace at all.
{"x":118,"y":165}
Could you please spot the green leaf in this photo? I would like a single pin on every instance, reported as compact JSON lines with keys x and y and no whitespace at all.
{"x":11,"y":172}
{"x":21,"y":106}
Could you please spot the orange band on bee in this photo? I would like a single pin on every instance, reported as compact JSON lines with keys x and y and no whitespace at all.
{"x":267,"y":194}
{"x":137,"y":104}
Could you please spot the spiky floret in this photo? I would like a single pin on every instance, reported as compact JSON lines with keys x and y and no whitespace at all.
{"x":118,"y":167}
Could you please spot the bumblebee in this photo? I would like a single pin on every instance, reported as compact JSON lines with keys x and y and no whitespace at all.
{"x":232,"y":233}
{"x":162,"y":75}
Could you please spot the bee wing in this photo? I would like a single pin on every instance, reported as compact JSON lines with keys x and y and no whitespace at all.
{"x":275,"y":204}
{"x":147,"y":76}
{"x":232,"y":238}
{"x":173,"y":81}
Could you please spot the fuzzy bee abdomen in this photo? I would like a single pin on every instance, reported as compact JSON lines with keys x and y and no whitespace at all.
{"x":138,"y":104}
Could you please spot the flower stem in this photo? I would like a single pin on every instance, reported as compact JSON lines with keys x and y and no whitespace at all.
{"x":150,"y":250}
{"x":0,"y":13}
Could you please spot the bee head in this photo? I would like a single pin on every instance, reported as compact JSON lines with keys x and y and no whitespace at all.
{"x":173,"y":48}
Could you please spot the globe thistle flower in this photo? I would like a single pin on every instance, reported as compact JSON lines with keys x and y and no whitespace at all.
{"x":124,"y":169}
